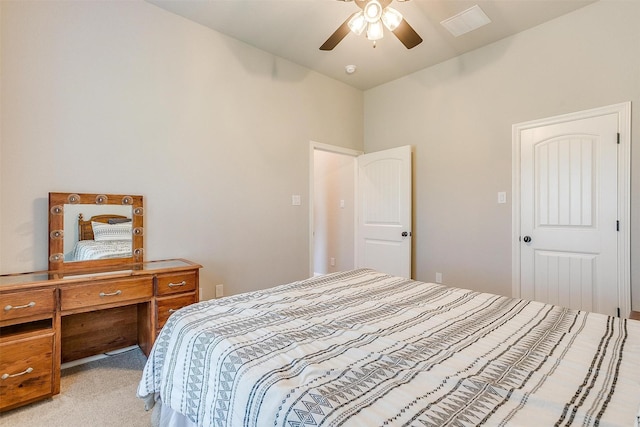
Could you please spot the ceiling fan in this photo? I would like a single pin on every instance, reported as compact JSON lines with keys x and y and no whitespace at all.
{"x":372,"y":16}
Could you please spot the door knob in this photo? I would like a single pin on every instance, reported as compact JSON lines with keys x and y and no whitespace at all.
{"x":526,"y":239}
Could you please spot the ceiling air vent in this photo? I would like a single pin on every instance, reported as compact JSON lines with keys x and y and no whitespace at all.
{"x":465,"y":21}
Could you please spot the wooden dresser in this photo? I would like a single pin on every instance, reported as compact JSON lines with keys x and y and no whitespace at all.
{"x":52,"y":317}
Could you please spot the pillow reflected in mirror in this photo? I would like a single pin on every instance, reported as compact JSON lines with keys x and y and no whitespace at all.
{"x":107,"y":232}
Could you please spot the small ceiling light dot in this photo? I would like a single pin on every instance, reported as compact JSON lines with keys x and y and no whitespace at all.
{"x":350,"y":69}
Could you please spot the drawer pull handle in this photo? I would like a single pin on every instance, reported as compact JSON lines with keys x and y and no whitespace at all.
{"x":26,"y":371}
{"x":11,"y":307}
{"x":118,"y":292}
{"x":171,"y":285}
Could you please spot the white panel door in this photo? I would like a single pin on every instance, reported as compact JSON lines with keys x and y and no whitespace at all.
{"x":384,"y":211}
{"x":568,"y":223}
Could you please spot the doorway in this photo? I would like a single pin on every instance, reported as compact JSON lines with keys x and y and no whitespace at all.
{"x":332,"y":211}
{"x":571,"y":210}
{"x":360,"y":210}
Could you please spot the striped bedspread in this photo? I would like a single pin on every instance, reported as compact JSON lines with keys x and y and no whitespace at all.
{"x":85,"y":250}
{"x":362,"y":348}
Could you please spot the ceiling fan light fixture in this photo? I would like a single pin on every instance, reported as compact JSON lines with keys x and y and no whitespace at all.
{"x":374,"y":17}
{"x":373,"y":11}
{"x":391,"y":18}
{"x":357,"y":23}
{"x":375,"y":31}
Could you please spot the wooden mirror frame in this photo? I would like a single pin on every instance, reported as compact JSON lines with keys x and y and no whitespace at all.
{"x":57,"y":201}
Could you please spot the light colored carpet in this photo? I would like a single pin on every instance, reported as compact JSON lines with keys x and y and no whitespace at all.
{"x":98,"y":393}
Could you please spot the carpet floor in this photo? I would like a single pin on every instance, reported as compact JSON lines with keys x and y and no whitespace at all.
{"x":98,"y":393}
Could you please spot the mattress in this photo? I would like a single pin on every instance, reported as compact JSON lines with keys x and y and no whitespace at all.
{"x":362,"y":348}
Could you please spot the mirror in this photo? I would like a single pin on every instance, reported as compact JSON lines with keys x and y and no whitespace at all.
{"x":94,"y":230}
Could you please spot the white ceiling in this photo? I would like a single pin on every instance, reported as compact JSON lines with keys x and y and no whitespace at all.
{"x":295,"y":29}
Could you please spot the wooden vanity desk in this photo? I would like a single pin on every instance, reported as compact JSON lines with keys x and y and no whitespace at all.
{"x":51,"y":317}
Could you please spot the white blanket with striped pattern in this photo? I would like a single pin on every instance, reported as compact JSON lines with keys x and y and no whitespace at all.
{"x":362,"y":348}
{"x":86,"y":250}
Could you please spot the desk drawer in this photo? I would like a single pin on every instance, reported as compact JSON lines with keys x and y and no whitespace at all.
{"x":166,"y":307}
{"x":105,"y":292}
{"x":15,"y":305}
{"x":26,"y":370}
{"x":175,"y":283}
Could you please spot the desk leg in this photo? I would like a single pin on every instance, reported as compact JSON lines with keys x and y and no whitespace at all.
{"x":57,"y":352}
{"x":146,"y":326}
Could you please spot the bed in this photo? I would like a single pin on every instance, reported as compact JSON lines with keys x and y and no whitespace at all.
{"x":362,"y":348}
{"x":102,"y":237}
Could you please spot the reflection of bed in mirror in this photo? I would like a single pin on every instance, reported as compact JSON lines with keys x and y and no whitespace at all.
{"x":102,"y":237}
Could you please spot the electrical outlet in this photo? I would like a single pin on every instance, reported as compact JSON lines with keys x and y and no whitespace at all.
{"x":438,"y":277}
{"x":332,"y":261}
{"x":219,"y":290}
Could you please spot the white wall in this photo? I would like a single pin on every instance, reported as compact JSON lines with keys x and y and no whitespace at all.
{"x":123,"y":97}
{"x":1,"y":57}
{"x":458,"y":116}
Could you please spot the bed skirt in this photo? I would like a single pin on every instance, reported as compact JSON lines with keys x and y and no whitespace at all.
{"x":163,"y":415}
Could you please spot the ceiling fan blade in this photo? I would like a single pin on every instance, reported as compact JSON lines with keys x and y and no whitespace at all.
{"x":407,"y":35}
{"x":337,"y":35}
{"x":361,"y":3}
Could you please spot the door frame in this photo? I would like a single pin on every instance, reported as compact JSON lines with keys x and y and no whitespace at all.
{"x":623,"y":111}
{"x":313,"y":146}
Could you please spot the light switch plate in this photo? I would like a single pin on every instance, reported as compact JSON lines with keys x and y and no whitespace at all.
{"x":502,"y":197}
{"x":295,"y":200}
